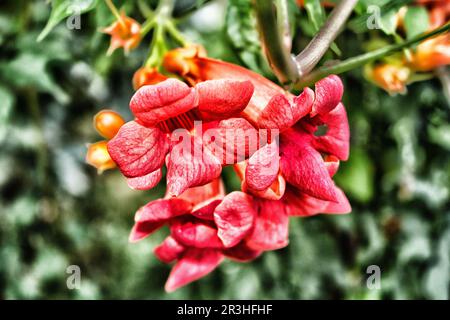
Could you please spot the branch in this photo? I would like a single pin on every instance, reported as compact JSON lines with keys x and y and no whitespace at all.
{"x":314,"y":51}
{"x":274,"y":31}
{"x":363,"y":59}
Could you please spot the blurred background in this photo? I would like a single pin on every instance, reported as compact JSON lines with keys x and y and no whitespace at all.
{"x":56,"y":211}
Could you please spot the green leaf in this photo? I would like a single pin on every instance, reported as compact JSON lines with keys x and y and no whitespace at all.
{"x":242,"y":32}
{"x":29,"y":70}
{"x":62,"y":9}
{"x":381,"y":10}
{"x":357,"y":175}
{"x":416,"y":21}
{"x":317,"y":15}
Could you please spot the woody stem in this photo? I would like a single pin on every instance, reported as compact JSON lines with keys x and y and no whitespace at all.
{"x":274,"y":31}
{"x":318,"y":46}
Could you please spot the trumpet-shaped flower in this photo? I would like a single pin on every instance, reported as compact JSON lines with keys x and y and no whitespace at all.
{"x":298,"y":160}
{"x":206,"y":226}
{"x":164,"y":131}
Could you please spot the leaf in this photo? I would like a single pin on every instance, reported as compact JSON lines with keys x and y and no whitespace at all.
{"x":29,"y":70}
{"x":357,"y":175}
{"x":242,"y":32}
{"x":380,"y":10}
{"x":388,"y":22}
{"x":62,"y":9}
{"x":416,"y":21}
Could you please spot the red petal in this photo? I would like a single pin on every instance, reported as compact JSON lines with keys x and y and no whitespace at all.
{"x":169,"y":250}
{"x":337,"y":139}
{"x":154,"y":103}
{"x":221,"y":99}
{"x":145,"y":182}
{"x":162,"y":210}
{"x":202,"y":195}
{"x":195,"y":233}
{"x":271,"y":227}
{"x":206,"y":212}
{"x":264,"y":89}
{"x":234,"y":217}
{"x":274,"y":192}
{"x":242,"y":253}
{"x":303,"y":166}
{"x":190,"y":165}
{"x":138,"y":150}
{"x":141,"y":230}
{"x":281,"y":114}
{"x":232,"y":140}
{"x":329,"y":93}
{"x":155,"y":214}
{"x":194,"y":264}
{"x":263,"y":166}
{"x":302,"y":205}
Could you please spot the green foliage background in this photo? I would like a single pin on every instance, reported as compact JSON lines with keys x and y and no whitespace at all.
{"x":55,"y":211}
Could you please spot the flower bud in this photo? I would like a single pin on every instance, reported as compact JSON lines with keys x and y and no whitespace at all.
{"x":107,"y":123}
{"x":98,"y":157}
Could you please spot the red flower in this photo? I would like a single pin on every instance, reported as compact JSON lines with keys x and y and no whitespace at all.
{"x":299,"y":160}
{"x":206,"y":226}
{"x":140,"y":147}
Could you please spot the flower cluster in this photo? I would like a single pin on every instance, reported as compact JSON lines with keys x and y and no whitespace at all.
{"x":284,"y":148}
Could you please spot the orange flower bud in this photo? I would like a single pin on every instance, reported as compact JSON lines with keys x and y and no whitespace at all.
{"x":98,"y":157}
{"x":107,"y":123}
{"x":125,"y":33}
{"x":181,"y":60}
{"x":145,"y":76}
{"x":392,"y":78}
{"x":432,"y":53}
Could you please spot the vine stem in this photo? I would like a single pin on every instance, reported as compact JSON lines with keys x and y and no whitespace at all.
{"x":363,"y":59}
{"x":319,"y":45}
{"x":275,"y":38}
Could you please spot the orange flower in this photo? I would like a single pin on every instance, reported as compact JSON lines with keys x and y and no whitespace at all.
{"x":432,"y":53}
{"x":125,"y":33}
{"x":107,"y":123}
{"x":145,"y":76}
{"x":182,"y":61}
{"x":392,"y":78}
{"x":98,"y":157}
